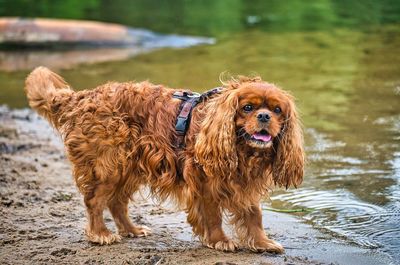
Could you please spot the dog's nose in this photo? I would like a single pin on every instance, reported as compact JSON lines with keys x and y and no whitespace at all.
{"x":263,"y":117}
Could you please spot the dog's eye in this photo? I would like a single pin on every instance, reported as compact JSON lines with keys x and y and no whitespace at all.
{"x":248,"y":108}
{"x":277,"y":110}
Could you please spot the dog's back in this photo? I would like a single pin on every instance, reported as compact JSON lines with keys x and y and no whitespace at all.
{"x":117,"y":133}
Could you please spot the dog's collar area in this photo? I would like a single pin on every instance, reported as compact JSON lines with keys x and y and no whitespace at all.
{"x":189,"y":101}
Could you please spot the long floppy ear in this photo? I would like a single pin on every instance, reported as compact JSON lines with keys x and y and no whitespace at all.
{"x":288,"y":165}
{"x":215,"y":148}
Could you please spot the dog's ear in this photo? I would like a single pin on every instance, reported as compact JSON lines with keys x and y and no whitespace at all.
{"x":288,"y":165}
{"x":215,"y":148}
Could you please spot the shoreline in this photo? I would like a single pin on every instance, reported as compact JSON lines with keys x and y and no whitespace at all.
{"x":43,"y":216}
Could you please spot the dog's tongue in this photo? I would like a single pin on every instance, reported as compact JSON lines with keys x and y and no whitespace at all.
{"x":262,"y":137}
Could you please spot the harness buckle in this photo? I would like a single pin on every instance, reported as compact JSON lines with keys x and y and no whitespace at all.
{"x":190,"y":100}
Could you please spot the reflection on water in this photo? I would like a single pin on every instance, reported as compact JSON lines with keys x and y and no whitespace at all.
{"x":343,"y":67}
{"x":356,"y":197}
{"x":25,"y":60}
{"x":66,"y":57}
{"x":216,"y":17}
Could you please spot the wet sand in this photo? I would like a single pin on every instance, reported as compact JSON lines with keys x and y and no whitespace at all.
{"x":42,"y":216}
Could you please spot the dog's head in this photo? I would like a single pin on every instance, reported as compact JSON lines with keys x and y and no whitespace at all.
{"x":259,"y":115}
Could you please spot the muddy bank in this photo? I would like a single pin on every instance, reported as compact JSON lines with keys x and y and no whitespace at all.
{"x":42,"y":216}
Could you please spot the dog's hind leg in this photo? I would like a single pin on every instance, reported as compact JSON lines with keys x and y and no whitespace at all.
{"x":96,"y":201}
{"x":119,"y":210}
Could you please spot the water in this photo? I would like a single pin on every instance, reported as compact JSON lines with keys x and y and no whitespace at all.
{"x":341,"y":59}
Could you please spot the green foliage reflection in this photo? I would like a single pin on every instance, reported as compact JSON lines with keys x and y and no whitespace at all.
{"x":215,"y":17}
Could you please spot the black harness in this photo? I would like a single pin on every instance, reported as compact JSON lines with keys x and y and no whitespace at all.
{"x":189,"y":101}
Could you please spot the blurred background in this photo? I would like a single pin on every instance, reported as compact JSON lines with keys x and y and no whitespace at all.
{"x":339,"y":58}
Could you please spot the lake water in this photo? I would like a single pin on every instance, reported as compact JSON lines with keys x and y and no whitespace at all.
{"x":341,"y":60}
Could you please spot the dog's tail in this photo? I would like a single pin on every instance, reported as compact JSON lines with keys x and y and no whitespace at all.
{"x":47,"y":92}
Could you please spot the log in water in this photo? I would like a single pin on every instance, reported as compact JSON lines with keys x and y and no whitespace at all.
{"x":22,"y":31}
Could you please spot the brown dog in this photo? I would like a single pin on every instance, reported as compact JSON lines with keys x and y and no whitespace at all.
{"x":120,"y":136}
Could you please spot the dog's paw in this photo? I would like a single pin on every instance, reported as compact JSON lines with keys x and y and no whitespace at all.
{"x":103,"y":238}
{"x":136,"y":231}
{"x":267,"y":245}
{"x":224,"y":245}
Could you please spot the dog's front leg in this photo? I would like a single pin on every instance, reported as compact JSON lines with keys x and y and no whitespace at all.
{"x":251,"y":232}
{"x":205,"y":216}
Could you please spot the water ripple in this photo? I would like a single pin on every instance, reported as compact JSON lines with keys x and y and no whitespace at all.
{"x":340,"y":212}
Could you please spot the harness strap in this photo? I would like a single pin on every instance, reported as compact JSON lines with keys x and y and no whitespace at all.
{"x":189,"y":101}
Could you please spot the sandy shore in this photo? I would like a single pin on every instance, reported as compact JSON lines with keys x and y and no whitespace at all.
{"x":42,"y":216}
